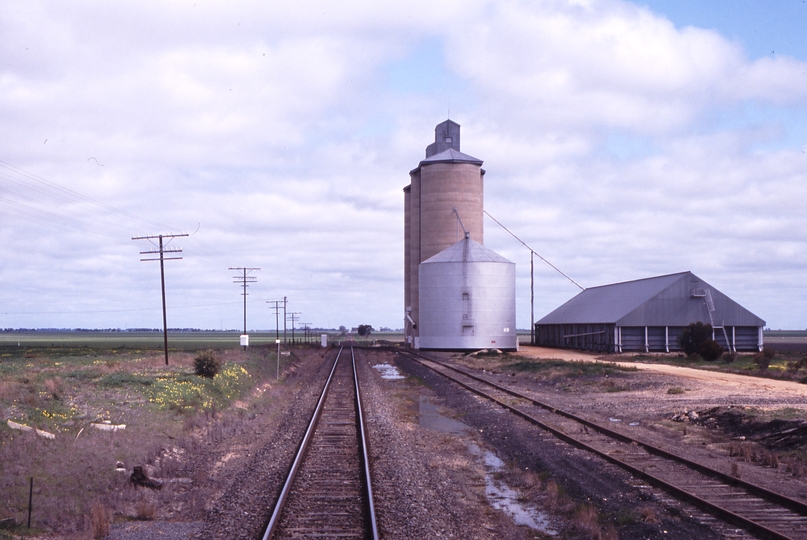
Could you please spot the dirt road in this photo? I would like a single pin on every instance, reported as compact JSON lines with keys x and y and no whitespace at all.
{"x":700,"y":383}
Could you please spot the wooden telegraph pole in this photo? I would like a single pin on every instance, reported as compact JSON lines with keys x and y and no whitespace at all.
{"x":161,"y":250}
{"x":244,"y":280}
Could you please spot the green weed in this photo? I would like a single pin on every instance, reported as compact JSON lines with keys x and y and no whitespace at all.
{"x":124,"y":378}
{"x":579,"y":369}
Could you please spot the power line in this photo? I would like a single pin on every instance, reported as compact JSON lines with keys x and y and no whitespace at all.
{"x":294,"y":317}
{"x":558,"y":270}
{"x":39,"y":186}
{"x":532,"y":277}
{"x":277,"y":317}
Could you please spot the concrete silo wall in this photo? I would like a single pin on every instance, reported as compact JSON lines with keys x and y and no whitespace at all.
{"x":443,"y":187}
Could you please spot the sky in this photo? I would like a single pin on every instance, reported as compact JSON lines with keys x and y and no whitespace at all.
{"x":622,"y":140}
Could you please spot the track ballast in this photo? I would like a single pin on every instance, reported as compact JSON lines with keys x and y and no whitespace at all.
{"x":328,"y":493}
{"x":762,"y":512}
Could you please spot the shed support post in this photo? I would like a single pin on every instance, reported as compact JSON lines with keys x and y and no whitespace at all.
{"x":667,"y":338}
{"x":734,"y":339}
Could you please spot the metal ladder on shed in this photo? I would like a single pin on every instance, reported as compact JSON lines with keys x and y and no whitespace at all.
{"x":710,"y":307}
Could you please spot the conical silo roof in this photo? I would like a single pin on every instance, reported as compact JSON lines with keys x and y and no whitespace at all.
{"x":467,"y":250}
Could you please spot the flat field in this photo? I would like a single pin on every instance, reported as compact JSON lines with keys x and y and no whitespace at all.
{"x":179,"y":341}
{"x":187,"y":341}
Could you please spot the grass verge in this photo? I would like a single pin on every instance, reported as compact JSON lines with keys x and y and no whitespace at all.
{"x":81,"y":473}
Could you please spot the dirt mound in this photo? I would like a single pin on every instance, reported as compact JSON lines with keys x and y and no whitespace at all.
{"x":774,"y":434}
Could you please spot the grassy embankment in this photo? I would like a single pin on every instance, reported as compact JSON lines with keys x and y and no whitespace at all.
{"x":168,"y":412}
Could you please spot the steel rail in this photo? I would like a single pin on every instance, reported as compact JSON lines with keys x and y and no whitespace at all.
{"x":371,"y":524}
{"x":281,"y":500}
{"x":793,"y":504}
{"x":724,"y":513}
{"x":364,"y":454}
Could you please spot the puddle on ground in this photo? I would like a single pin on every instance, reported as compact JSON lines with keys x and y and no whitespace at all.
{"x":503,"y":497}
{"x":388,"y":371}
{"x":499,"y":495}
{"x":432,"y":419}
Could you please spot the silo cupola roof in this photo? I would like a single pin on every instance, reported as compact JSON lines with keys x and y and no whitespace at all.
{"x":451,"y":156}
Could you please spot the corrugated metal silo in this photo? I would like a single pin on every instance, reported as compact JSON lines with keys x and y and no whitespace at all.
{"x":467,"y":299}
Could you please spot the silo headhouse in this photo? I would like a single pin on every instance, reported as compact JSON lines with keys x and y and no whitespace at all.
{"x":458,"y":295}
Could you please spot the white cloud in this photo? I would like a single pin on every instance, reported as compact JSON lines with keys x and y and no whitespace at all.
{"x":609,"y":64}
{"x":616,"y":144}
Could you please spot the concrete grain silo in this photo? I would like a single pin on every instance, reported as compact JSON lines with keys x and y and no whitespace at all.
{"x":442,"y":204}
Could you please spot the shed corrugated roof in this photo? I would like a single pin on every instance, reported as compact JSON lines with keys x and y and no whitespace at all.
{"x":466,"y":250}
{"x":609,"y":303}
{"x":662,"y":300}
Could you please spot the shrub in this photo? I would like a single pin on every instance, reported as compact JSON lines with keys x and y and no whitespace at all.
{"x":206,"y":364}
{"x":694,"y":336}
{"x":797,"y":365}
{"x":710,"y":350}
{"x":54,"y":387}
{"x":365,"y":329}
{"x":586,"y":521}
{"x":762,"y":360}
{"x":145,"y":510}
{"x":697,"y":339}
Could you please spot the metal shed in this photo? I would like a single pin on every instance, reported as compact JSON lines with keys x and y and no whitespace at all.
{"x":648,"y":315}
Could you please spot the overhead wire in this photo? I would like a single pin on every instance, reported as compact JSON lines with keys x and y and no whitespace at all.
{"x":23,"y":194}
{"x":121,"y":310}
{"x":31,"y":198}
{"x":36,"y":215}
{"x":31,"y":187}
{"x":558,"y":270}
{"x":39,"y":185}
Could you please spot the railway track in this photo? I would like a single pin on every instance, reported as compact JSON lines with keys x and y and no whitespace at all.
{"x":327,"y":493}
{"x":762,"y":512}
